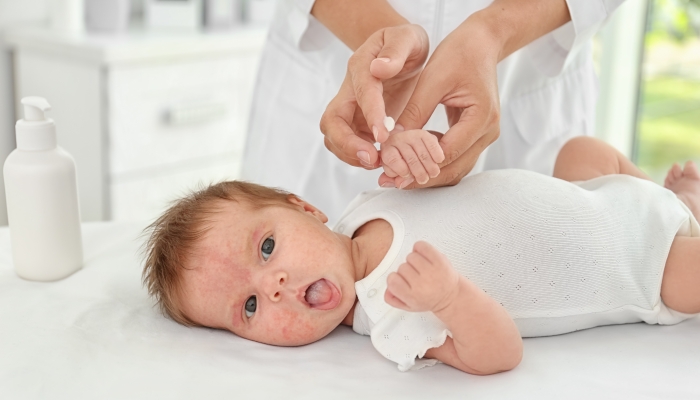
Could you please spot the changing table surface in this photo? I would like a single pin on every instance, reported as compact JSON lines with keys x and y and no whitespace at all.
{"x":97,"y":334}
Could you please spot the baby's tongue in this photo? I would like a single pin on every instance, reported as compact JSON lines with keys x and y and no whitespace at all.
{"x":318,"y":293}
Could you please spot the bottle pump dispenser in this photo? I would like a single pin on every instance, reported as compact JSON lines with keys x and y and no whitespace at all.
{"x":42,"y":199}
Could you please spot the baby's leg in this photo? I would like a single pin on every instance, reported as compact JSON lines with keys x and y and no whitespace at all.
{"x":685,"y":183}
{"x":585,"y":158}
{"x":680,"y":288}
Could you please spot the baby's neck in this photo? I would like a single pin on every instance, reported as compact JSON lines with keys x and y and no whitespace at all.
{"x":371,"y":242}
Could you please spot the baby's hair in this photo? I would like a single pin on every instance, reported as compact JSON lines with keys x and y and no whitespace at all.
{"x":173,"y":236}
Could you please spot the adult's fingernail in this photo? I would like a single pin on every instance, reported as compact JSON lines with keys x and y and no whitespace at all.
{"x":384,"y":59}
{"x":405,"y":183}
{"x":363,"y":156}
{"x":388,"y":185}
{"x":375,"y":132}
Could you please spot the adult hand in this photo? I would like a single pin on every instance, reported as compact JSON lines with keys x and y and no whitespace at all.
{"x":461,"y":74}
{"x":381,"y":75}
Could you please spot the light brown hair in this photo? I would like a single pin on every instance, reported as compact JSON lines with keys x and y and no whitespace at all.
{"x":172,"y":238}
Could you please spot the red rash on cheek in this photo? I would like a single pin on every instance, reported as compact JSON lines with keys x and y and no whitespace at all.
{"x":236,"y":319}
{"x":292,"y":328}
{"x":218,"y":283}
{"x":241,"y":280}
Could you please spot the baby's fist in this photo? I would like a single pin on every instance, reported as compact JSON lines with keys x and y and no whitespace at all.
{"x":412,"y":154}
{"x":425,"y":282}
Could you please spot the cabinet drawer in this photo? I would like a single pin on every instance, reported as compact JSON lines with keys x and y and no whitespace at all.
{"x":146,"y":197}
{"x":167,"y":113}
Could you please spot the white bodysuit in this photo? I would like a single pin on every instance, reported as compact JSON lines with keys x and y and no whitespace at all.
{"x":559,"y":256}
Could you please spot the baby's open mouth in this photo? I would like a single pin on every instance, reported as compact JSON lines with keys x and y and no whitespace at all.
{"x":322,"y":295}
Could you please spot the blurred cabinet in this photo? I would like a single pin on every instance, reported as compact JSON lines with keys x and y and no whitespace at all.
{"x":146,"y":116}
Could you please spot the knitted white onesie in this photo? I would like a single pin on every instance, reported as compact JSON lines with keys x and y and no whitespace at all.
{"x":559,"y":256}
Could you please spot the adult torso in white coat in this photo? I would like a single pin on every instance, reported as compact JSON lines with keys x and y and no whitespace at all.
{"x":547,"y":90}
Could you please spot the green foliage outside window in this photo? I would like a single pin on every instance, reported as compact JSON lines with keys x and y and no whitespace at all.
{"x":669,"y":117}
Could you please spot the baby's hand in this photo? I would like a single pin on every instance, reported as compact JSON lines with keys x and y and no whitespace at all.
{"x":425,"y":282}
{"x":412,"y":154}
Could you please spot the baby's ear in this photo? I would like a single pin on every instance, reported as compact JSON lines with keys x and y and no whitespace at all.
{"x":308,"y":208}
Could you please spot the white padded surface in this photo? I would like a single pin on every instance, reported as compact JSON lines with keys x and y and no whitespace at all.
{"x":97,"y":335}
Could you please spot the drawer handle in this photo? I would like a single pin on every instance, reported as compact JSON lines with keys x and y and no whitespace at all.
{"x":193,"y":114}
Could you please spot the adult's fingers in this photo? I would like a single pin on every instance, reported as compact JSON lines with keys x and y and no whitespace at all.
{"x":398,"y":44}
{"x":341,"y":139}
{"x":361,"y":156}
{"x":381,"y":57}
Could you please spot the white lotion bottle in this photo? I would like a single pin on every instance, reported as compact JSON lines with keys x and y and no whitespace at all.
{"x":42,"y":199}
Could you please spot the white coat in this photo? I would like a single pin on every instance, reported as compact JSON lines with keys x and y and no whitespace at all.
{"x":547,"y":90}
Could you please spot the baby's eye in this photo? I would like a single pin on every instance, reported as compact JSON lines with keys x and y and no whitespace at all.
{"x":267,"y":247}
{"x":250,"y":305}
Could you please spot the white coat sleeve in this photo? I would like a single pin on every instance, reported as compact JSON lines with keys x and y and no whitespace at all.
{"x":307,"y":32}
{"x":551,"y":52}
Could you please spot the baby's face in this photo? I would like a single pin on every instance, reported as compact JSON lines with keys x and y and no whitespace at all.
{"x":276,"y":275}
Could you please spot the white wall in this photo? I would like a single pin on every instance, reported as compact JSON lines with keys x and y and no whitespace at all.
{"x":12,"y":12}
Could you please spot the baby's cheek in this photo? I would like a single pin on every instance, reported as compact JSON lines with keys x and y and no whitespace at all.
{"x":294,"y":329}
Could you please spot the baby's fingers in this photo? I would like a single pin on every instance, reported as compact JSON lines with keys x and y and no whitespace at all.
{"x":394,"y":301}
{"x":398,"y":287}
{"x":419,"y":262}
{"x":417,"y":158}
{"x":432,"y":144}
{"x":389,"y":172}
{"x":392,"y":158}
{"x":427,"y":148}
{"x":429,"y":252}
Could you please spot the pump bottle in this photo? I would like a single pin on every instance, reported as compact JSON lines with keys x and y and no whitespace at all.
{"x":42,"y":199}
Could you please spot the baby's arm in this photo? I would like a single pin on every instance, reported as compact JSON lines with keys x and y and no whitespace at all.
{"x":414,"y":154}
{"x":484,"y":339}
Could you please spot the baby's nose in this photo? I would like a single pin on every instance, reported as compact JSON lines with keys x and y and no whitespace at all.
{"x":274,"y":285}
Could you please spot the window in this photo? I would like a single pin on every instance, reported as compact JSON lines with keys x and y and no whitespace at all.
{"x":668,"y":117}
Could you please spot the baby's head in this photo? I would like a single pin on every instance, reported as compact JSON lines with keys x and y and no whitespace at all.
{"x":256,"y":261}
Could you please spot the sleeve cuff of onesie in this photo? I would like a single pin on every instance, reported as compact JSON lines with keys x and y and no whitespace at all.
{"x":551,"y":52}
{"x":307,"y":32}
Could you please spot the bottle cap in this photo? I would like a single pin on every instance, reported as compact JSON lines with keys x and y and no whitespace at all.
{"x":35,"y":132}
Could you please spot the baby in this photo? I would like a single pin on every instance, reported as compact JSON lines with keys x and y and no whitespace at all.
{"x":456,"y":274}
